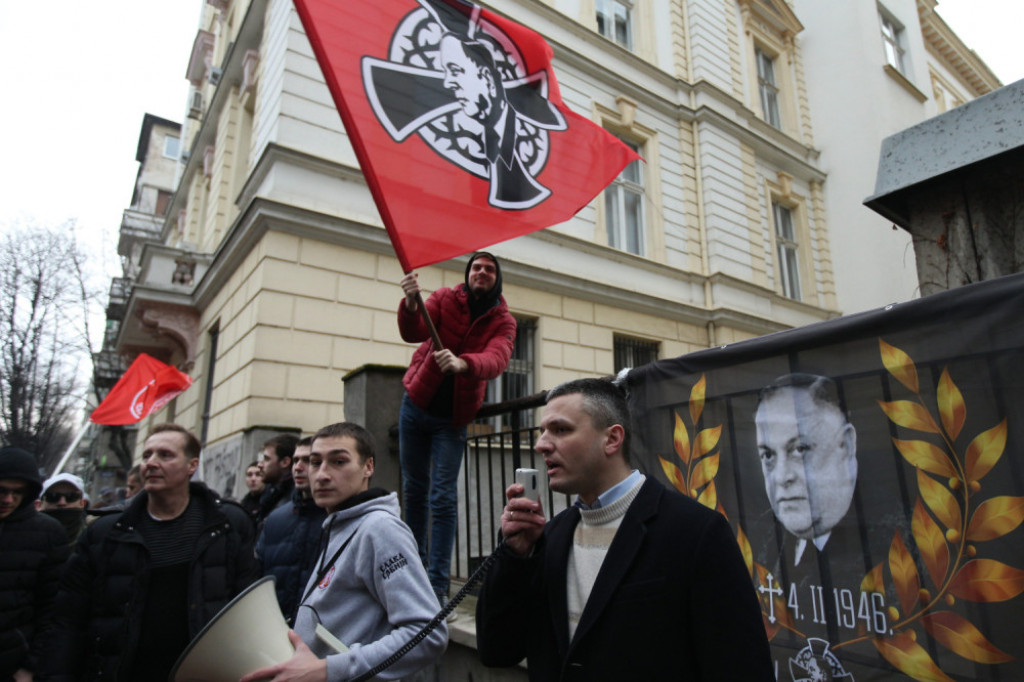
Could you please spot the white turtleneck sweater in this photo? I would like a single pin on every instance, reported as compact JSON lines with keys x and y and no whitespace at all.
{"x":593,"y":537}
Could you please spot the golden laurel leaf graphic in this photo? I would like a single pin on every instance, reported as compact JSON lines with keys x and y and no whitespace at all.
{"x":925,"y":456}
{"x":960,"y":636}
{"x":674,"y":475}
{"x":681,"y":441}
{"x":909,"y":657}
{"x":700,"y":463}
{"x":995,"y":518}
{"x":987,"y":580}
{"x":940,"y":501}
{"x":985,"y":450}
{"x":704,"y":472}
{"x":910,"y":415}
{"x":931,"y":542}
{"x":709,"y":498}
{"x":872,"y":581}
{"x":949,"y":501}
{"x":697,"y":400}
{"x":899,"y":365}
{"x":952,"y":409}
{"x":707,"y":440}
{"x":904,"y":574}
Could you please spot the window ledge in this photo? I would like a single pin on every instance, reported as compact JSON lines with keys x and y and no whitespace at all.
{"x":905,"y":83}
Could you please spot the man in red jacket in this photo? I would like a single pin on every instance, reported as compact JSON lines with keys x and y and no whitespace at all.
{"x":443,"y":391}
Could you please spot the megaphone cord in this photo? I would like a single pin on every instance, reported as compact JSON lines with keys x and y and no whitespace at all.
{"x":477,"y":576}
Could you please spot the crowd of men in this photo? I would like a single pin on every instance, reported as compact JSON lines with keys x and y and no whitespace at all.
{"x":633,"y":582}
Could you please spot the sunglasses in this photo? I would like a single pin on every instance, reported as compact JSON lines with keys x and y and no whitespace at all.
{"x":13,"y":492}
{"x":54,"y":498}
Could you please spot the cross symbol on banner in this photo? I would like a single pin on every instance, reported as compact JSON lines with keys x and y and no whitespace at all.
{"x":771,"y":602}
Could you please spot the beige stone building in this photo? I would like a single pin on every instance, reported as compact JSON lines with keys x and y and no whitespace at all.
{"x":269,"y":276}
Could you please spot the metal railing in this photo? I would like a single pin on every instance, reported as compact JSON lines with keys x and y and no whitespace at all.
{"x":491,"y":458}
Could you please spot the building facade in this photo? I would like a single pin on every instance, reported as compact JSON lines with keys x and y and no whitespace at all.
{"x":874,"y":69}
{"x":271,"y":276}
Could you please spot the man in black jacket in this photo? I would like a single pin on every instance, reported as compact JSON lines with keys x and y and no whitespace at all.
{"x":634,"y":582}
{"x":142,"y":583}
{"x":32,"y":549}
{"x":287,"y":545}
{"x":276,"y":466}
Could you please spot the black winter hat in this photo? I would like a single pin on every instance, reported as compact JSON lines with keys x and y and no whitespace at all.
{"x":494,"y":293}
{"x":21,"y":465}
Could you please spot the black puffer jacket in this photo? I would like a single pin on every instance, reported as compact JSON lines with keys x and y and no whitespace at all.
{"x":33,"y":547}
{"x":102,"y":594}
{"x":287,"y":548}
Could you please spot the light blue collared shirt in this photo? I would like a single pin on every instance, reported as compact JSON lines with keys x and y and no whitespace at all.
{"x":613,"y":493}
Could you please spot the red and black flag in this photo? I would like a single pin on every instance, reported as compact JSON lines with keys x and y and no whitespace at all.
{"x":457,"y":121}
{"x":145,"y":387}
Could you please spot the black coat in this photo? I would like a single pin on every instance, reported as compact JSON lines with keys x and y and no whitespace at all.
{"x":287,"y":548}
{"x":103,"y":591}
{"x":672,"y":601}
{"x":33,"y":547}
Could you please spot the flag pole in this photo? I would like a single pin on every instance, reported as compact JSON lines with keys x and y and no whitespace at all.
{"x":429,"y":322}
{"x":71,"y":448}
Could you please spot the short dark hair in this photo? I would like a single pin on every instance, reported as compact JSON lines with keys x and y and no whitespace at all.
{"x":603,"y":401}
{"x":283,"y":445}
{"x":823,"y":390}
{"x":366,"y":448}
{"x":192,"y":444}
{"x":254,"y":463}
{"x":305,"y":442}
{"x":135,"y":471}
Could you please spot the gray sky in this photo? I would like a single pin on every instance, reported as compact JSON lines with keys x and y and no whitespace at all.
{"x":78,"y":77}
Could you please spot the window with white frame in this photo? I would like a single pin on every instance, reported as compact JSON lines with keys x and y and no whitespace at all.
{"x":614,"y":21}
{"x":624,"y":208}
{"x":892,"y":40}
{"x":767,"y":88}
{"x":517,"y":379}
{"x":787,"y":250}
{"x":172,"y":146}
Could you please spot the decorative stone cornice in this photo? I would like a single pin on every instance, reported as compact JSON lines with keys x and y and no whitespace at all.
{"x":178,"y":324}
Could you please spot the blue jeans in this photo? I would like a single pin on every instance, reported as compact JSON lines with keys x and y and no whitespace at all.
{"x":430,"y":450}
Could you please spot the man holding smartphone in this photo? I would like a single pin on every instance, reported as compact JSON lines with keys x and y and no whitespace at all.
{"x":633,"y":582}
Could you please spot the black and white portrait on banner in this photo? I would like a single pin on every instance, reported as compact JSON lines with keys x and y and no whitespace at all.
{"x":869,"y":467}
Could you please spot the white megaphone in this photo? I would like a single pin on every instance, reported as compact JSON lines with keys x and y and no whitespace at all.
{"x":248,"y":634}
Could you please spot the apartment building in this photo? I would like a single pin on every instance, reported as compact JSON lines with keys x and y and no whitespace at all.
{"x":271,"y":277}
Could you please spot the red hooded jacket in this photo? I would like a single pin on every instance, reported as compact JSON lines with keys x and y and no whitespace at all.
{"x":485,"y":344}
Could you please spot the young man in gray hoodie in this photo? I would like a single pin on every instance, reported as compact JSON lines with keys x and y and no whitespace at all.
{"x":368,"y":594}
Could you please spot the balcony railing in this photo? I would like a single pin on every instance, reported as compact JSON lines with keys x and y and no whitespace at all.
{"x":491,"y":458}
{"x":120,"y":289}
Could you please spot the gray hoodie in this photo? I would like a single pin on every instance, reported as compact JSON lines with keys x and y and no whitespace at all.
{"x":375,"y":598}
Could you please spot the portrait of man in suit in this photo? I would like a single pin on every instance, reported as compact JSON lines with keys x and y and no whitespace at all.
{"x":472,"y":78}
{"x":808,"y":453}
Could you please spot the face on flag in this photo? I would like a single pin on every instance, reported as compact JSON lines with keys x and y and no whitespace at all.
{"x":487,"y":116}
{"x":455,"y":115}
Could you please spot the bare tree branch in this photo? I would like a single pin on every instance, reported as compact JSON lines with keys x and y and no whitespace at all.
{"x":45,"y":304}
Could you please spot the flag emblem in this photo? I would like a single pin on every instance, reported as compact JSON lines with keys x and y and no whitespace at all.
{"x":460,"y":83}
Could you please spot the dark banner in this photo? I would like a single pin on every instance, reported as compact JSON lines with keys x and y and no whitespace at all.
{"x":870,"y":467}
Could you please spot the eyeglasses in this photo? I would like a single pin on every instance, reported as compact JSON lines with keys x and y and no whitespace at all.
{"x":16,"y":493}
{"x":54,"y":498}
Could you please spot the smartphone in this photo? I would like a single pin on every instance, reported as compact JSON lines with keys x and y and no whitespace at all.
{"x":530,"y":480}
